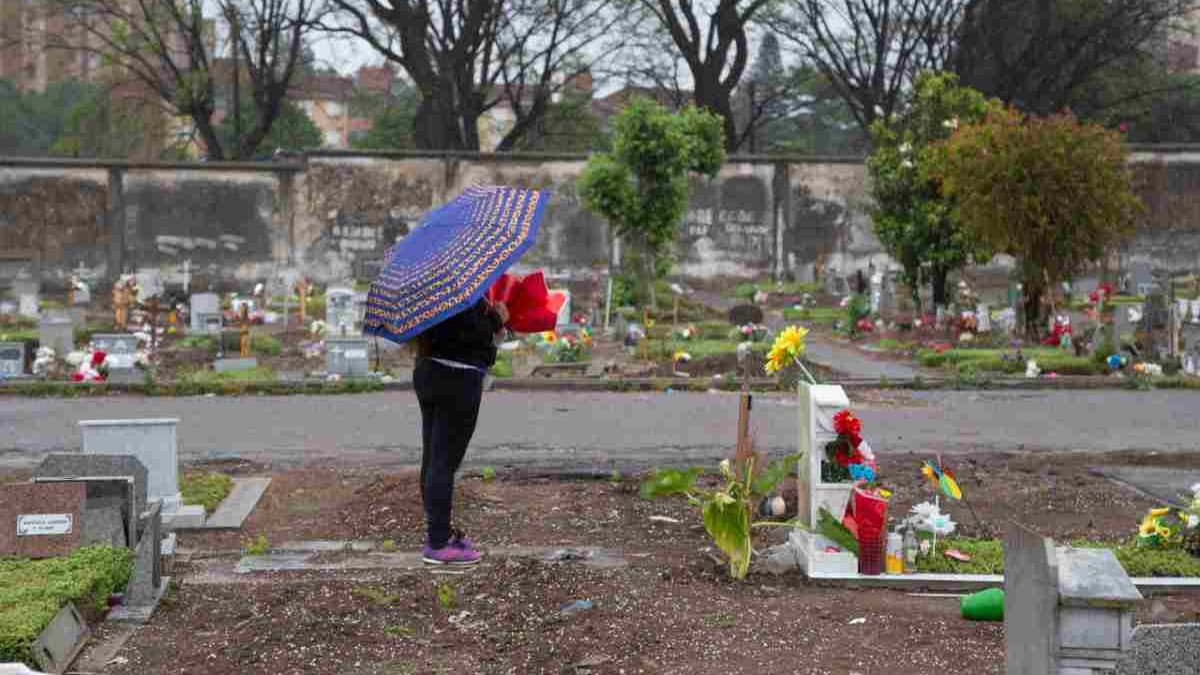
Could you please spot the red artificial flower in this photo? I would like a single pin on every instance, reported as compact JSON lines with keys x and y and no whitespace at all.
{"x":98,"y":358}
{"x":846,"y":424}
{"x":842,"y":458}
{"x":77,"y":377}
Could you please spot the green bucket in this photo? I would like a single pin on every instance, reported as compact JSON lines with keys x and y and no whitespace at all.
{"x":984,"y":606}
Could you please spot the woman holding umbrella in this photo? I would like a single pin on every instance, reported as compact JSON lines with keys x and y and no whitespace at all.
{"x":432,"y":289}
{"x":452,"y":359}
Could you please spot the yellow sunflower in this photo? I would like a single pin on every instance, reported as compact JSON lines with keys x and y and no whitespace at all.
{"x":788,"y":349}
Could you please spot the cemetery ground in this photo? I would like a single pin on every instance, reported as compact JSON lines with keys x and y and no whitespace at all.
{"x":660,"y":603}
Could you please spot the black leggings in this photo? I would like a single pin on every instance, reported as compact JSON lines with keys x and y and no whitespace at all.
{"x":450,"y":400}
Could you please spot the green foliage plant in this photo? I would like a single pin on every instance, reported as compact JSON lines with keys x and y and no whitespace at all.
{"x":914,"y":219}
{"x":641,"y":187}
{"x":205,"y":489}
{"x":727,"y":509}
{"x":1054,"y":193}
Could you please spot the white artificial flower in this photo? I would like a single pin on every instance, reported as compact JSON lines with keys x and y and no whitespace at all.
{"x":1195,"y":489}
{"x":1193,"y":521}
{"x":905,"y":148}
{"x":951,"y":123}
{"x":45,"y":353}
{"x":907,"y":164}
{"x":75,"y":358}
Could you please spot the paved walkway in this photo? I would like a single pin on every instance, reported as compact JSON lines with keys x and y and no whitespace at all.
{"x":602,"y":431}
{"x":854,"y":364}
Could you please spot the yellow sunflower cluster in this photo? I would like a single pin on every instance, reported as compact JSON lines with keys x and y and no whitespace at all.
{"x":788,"y":349}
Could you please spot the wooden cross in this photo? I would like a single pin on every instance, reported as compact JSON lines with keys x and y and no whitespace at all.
{"x":301,"y":289}
{"x":244,"y":338}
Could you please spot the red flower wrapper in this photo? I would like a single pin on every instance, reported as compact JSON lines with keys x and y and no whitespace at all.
{"x":532,"y":308}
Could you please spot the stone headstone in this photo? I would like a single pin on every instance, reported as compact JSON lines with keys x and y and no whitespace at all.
{"x":58,"y":333}
{"x":40,"y":520}
{"x":744,"y":314}
{"x":876,"y":290}
{"x":85,"y":465}
{"x":12,"y":359}
{"x":1096,"y":602}
{"x":121,"y":349}
{"x":205,"y":313}
{"x":1030,"y":603}
{"x":340,"y":314}
{"x":983,"y":318}
{"x":1162,"y":649}
{"x":564,"y":312}
{"x":888,"y":300}
{"x":27,"y":298}
{"x":1141,"y":279}
{"x":146,"y":581}
{"x":152,"y":441}
{"x":348,"y":357}
{"x":150,"y":283}
{"x":1156,"y":313}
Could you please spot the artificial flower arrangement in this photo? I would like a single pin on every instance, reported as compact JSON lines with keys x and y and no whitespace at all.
{"x":43,"y":361}
{"x":91,"y":367}
{"x":681,"y":357}
{"x":752,"y":332}
{"x":566,"y":349}
{"x":1169,"y":527}
{"x":1098,"y":302}
{"x":687,"y":334}
{"x":1148,"y":369}
{"x":849,"y":458}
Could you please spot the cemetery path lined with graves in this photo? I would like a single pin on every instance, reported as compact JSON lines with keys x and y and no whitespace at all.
{"x":584,"y":431}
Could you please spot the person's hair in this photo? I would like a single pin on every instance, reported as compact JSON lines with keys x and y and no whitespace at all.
{"x":423,"y":345}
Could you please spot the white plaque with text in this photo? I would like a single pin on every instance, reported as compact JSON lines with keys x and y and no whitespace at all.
{"x":42,"y":524}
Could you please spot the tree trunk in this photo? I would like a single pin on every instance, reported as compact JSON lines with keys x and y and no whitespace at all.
{"x":938,"y":283}
{"x":1033,"y":309}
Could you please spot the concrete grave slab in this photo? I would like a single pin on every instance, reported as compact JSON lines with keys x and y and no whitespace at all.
{"x":58,"y":333}
{"x":235,"y":365}
{"x":1169,"y":486}
{"x":12,"y":359}
{"x":75,"y":465}
{"x":347,"y":356}
{"x":152,"y":441}
{"x":232,"y":512}
{"x":1030,"y":603}
{"x":60,"y":643}
{"x":40,"y":520}
{"x":146,"y":585}
{"x":1162,"y":649}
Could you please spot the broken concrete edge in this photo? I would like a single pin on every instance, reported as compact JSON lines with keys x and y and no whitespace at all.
{"x":234,"y":509}
{"x":60,"y":643}
{"x":42,"y":389}
{"x":977,"y":582}
{"x":140,"y":613}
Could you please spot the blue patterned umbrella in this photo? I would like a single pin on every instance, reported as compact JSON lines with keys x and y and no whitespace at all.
{"x":451,"y":259}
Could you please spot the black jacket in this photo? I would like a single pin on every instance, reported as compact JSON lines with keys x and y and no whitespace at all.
{"x":468,"y":337}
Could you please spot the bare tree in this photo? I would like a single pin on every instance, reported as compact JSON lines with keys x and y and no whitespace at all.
{"x":1046,"y":55}
{"x":466,"y":57}
{"x":714,"y":42}
{"x":871,"y":50}
{"x":170,"y":47}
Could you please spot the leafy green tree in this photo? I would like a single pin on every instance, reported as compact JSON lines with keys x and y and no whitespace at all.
{"x":567,"y":126}
{"x":31,"y":123}
{"x":393,"y":119}
{"x":913,"y":218}
{"x":291,"y":130}
{"x":1054,"y":193}
{"x":104,"y":126}
{"x":641,"y":187}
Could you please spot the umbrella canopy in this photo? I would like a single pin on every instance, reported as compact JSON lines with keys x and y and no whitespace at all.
{"x":446,"y":264}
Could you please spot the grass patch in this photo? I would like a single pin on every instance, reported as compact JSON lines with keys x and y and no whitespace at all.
{"x":209,"y":377}
{"x":746,"y":291}
{"x":987,"y":557}
{"x":265,"y":345}
{"x":205,"y":489}
{"x":700,"y":349}
{"x":32,"y":592}
{"x":20,"y":335}
{"x":377,"y":596}
{"x":824,"y":316}
{"x":503,"y":367}
{"x":971,"y":361}
{"x":257,"y":546}
{"x":204,"y":342}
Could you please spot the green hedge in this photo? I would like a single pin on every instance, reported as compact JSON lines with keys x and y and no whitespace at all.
{"x":816,"y":315}
{"x":987,"y":557}
{"x":32,"y":592}
{"x":970,"y":361}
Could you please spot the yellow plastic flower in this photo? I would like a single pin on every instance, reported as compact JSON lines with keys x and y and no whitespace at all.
{"x":1155,"y":513}
{"x":788,"y":348}
{"x":682,"y":357}
{"x":549,"y":337}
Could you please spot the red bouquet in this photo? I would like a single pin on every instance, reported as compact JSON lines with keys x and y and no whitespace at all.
{"x":532,"y":308}
{"x":847,"y":425}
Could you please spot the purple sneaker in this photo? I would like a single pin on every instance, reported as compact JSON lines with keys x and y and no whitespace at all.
{"x":457,"y":538}
{"x":451,"y":555}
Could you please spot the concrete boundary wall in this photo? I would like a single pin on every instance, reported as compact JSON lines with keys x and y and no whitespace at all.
{"x":333,"y":214}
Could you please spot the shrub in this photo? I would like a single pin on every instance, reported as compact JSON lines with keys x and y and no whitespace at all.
{"x":32,"y":592}
{"x":265,"y":345}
